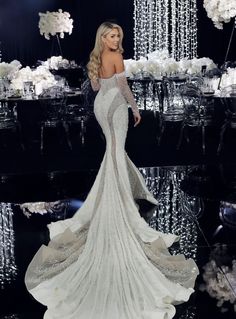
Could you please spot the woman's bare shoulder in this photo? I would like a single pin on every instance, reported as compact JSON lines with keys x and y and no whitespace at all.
{"x":114,"y":55}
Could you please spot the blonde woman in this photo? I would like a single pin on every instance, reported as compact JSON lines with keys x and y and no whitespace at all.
{"x":106,"y":62}
{"x":106,"y":262}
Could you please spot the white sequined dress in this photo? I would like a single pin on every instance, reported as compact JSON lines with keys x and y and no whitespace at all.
{"x":106,"y":262}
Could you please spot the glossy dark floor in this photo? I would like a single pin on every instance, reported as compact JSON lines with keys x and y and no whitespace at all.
{"x":142,"y":146}
{"x":196,"y":195}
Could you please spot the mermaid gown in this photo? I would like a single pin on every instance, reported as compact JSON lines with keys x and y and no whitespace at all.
{"x":105,"y":262}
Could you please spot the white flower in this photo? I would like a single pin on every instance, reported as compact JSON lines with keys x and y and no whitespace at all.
{"x":38,"y":208}
{"x":171,"y":66}
{"x":159,"y":55}
{"x":55,"y":22}
{"x":160,"y":64}
{"x":220,"y":282}
{"x":41,"y":77}
{"x":228,"y":78}
{"x":133,"y":67}
{"x":197,"y":64}
{"x":9,"y":69}
{"x":55,"y":62}
{"x":154,"y":68}
{"x":220,"y":11}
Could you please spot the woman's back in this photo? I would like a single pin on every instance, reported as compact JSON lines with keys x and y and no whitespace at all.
{"x":107,"y":69}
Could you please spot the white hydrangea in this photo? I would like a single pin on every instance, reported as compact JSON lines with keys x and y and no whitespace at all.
{"x":41,"y":77}
{"x":153,"y":67}
{"x":228,"y":78}
{"x":197,"y":64}
{"x":55,"y":22}
{"x":133,"y":67}
{"x":161,"y":65}
{"x":220,"y":11}
{"x":55,"y":62}
{"x":8,"y":70}
{"x":217,"y":282}
{"x":38,"y":208}
{"x":159,"y":55}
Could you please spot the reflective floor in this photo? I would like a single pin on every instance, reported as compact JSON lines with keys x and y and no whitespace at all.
{"x":196,"y":193}
{"x":197,"y":202}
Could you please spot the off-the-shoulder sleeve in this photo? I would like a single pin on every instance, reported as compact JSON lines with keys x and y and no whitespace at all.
{"x":95,"y":85}
{"x":126,"y":92}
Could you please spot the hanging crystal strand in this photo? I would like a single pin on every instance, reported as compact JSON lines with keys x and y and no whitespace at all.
{"x":184,"y":21}
{"x":2,"y":255}
{"x":8,"y":268}
{"x":181,"y":22}
{"x":177,"y":48}
{"x":141,"y":29}
{"x":158,"y":22}
{"x":137,"y":28}
{"x":193,"y":28}
{"x":135,"y":18}
{"x":187,"y":41}
{"x":166,"y":24}
{"x":150,"y":25}
{"x":173,"y":28}
{"x":146,"y":28}
{"x":155,"y":25}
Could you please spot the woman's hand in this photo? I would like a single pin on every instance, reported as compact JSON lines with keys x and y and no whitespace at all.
{"x":137,"y":118}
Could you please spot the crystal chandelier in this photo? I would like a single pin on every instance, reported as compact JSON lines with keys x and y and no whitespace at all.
{"x":165,"y":24}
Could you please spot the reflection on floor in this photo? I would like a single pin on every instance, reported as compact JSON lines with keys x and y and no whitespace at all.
{"x":198,"y":203}
{"x":142,"y":146}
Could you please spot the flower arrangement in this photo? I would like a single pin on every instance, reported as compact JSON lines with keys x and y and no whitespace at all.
{"x":220,"y":11}
{"x":220,"y":281}
{"x":8,"y":70}
{"x":229,"y":77}
{"x":55,"y":22}
{"x":41,"y":207}
{"x":41,"y":77}
{"x":56,"y":62}
{"x":159,"y":63}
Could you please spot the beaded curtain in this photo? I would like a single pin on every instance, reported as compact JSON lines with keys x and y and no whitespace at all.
{"x":165,"y":24}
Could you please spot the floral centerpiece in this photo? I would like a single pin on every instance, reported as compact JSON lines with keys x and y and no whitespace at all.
{"x":54,"y":23}
{"x":160,"y":64}
{"x":8,"y":70}
{"x":220,"y":11}
{"x":56,"y":62}
{"x":220,"y":279}
{"x":41,"y":77}
{"x":228,"y":78}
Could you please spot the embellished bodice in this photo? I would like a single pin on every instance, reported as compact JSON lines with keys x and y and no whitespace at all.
{"x":108,"y":83}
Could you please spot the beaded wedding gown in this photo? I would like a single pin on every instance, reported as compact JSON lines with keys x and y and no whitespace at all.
{"x":106,"y":262}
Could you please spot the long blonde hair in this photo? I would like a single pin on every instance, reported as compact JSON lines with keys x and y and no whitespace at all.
{"x":95,"y":56}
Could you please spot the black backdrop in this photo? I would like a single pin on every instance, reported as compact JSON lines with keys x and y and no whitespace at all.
{"x":20,"y":37}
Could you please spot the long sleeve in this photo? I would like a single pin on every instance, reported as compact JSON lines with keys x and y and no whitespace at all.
{"x":126,"y":92}
{"x":95,"y":85}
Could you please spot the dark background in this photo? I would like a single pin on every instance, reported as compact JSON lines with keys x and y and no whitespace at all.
{"x":20,"y":37}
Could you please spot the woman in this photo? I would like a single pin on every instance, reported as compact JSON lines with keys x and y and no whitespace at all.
{"x":106,"y":262}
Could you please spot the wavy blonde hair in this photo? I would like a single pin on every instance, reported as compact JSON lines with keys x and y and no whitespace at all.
{"x":95,"y":56}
